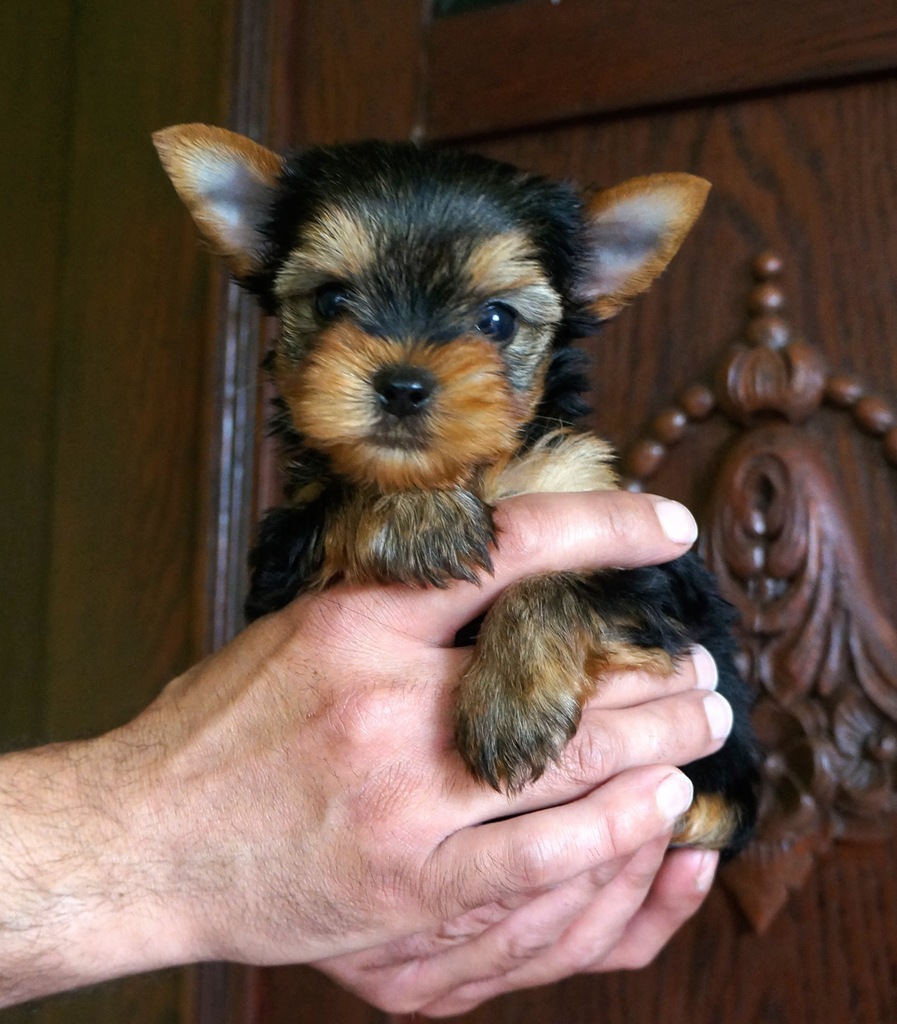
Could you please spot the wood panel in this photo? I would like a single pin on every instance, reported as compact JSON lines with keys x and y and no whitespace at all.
{"x":104,"y":376}
{"x":794,"y":173}
{"x":133,"y":346}
{"x":345,"y":70}
{"x":31,"y":227}
{"x":791,"y":172}
{"x":538,"y":62}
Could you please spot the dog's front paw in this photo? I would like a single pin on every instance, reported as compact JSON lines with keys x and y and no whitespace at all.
{"x":428,"y":537}
{"x":540,"y":651}
{"x":509,"y":730}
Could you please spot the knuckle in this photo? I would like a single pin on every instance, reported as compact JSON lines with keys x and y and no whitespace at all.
{"x":669,"y":729}
{"x":640,"y":877}
{"x":592,"y":757}
{"x":622,"y":518}
{"x":680,"y":728}
{"x":610,"y":845}
{"x":392,"y":996}
{"x":580,"y":958}
{"x":522,"y":529}
{"x":516,"y":949}
{"x":529,"y":865}
{"x":358,"y":717}
{"x":467,"y":926}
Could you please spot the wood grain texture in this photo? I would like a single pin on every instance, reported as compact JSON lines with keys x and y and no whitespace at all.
{"x":814,"y":647}
{"x":539,"y":62}
{"x":300,"y":994}
{"x":796,"y":173}
{"x":234,"y":426}
{"x":793,"y":173}
{"x":345,"y":70}
{"x":131,"y":368}
{"x":35,"y":76}
{"x":103,"y":374}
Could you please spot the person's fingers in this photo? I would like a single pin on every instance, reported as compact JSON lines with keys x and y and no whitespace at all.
{"x":616,"y":916}
{"x":479,"y":948}
{"x":540,"y":533}
{"x":542,"y":942}
{"x":626,"y":689}
{"x":672,"y":731}
{"x":476,"y":866}
{"x":676,"y":895}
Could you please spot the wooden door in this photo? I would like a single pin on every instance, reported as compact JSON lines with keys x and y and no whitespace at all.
{"x":783,"y":447}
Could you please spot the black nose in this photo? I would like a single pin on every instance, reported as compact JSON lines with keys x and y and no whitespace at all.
{"x":404,"y":390}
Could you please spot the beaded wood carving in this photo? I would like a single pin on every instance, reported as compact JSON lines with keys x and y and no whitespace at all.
{"x":815,"y":643}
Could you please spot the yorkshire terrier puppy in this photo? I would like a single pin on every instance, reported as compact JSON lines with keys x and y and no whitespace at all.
{"x":427,"y":301}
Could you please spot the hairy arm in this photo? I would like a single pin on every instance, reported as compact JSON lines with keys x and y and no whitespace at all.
{"x":82,"y":881}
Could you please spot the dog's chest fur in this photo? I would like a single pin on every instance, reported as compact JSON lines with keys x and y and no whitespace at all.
{"x":560,"y":462}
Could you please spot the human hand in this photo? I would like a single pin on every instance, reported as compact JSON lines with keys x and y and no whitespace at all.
{"x":324,"y":732}
{"x":296,"y":796}
{"x":616,"y":917}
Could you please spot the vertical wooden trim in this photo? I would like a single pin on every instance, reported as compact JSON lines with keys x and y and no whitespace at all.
{"x":234,"y":411}
{"x":232,"y":463}
{"x":225,"y":993}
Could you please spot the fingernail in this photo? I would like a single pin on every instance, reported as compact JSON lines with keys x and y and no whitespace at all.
{"x":705,"y":668}
{"x":674,"y":795}
{"x":676,"y":521}
{"x":706,"y":872}
{"x":719,"y":715}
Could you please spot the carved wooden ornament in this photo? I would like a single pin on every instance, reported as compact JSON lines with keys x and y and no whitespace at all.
{"x":815,"y":645}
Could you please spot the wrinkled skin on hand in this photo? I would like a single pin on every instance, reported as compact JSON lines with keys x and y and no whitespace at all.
{"x":296,"y":797}
{"x":326,"y":735}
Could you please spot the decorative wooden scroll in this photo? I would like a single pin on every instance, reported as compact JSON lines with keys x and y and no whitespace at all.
{"x":816,"y":647}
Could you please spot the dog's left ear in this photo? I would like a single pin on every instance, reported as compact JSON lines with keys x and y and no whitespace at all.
{"x":633,"y":231}
{"x":228,"y":183}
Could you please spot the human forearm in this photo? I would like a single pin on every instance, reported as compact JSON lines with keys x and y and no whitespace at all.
{"x":81,"y":894}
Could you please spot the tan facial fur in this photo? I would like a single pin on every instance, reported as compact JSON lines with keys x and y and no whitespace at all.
{"x":473,"y":418}
{"x":483,"y":395}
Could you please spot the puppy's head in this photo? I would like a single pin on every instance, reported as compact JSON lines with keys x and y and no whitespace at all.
{"x":421,"y":292}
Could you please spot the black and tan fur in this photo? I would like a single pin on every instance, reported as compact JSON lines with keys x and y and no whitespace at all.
{"x":427,"y":301}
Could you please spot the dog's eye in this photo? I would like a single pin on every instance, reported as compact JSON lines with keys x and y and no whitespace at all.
{"x":331,"y":300}
{"x":498,"y":322}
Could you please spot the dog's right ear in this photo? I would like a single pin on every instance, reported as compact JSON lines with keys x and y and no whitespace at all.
{"x":228,"y":184}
